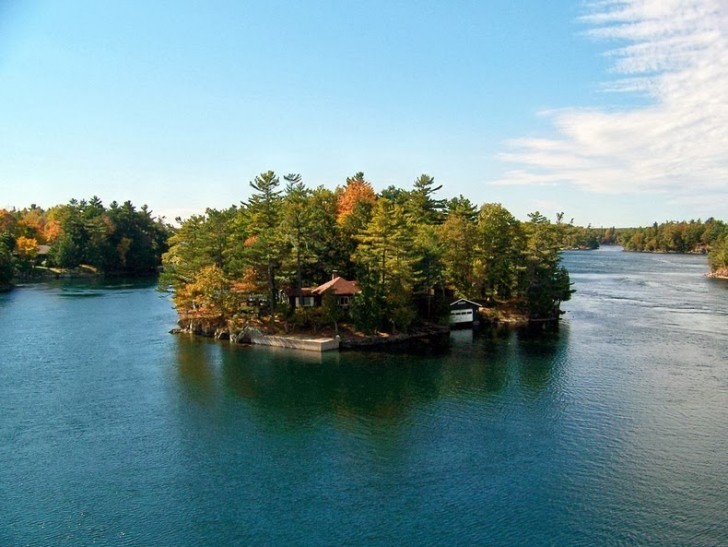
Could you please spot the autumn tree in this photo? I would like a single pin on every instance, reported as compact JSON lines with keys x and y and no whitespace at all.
{"x":26,"y":250}
{"x":356,"y":191}
{"x":200,"y":241}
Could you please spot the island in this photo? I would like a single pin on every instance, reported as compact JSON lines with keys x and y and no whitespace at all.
{"x":359,"y":266}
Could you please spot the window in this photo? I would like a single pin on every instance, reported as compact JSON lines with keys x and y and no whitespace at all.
{"x":304,"y":301}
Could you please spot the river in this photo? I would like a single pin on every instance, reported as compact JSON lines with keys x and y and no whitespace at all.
{"x":613,"y":432}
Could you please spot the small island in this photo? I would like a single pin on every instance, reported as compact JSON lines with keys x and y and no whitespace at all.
{"x":360,"y":266}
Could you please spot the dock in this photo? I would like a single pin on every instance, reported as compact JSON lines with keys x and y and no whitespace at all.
{"x":319,"y":345}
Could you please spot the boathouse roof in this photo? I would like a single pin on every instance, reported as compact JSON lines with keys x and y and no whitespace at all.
{"x":465,"y":303}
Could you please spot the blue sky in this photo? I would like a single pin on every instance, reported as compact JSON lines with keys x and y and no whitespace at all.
{"x":614,"y":112}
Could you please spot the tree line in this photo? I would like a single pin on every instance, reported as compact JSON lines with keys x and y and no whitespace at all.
{"x":694,"y":236}
{"x":115,"y":239}
{"x":408,"y":250}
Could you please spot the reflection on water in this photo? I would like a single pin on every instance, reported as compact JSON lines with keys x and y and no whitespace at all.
{"x":302,"y":387}
{"x":197,"y":371}
{"x":540,"y":357}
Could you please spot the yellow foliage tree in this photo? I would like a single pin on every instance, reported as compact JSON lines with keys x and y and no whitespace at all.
{"x":208,"y":295}
{"x":26,"y":247}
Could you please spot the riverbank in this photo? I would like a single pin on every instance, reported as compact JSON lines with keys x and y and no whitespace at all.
{"x":720,"y":273}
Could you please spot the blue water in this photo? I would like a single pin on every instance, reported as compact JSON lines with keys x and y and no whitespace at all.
{"x":613,"y":432}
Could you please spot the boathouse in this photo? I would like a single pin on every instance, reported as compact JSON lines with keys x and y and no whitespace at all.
{"x":463,"y":312}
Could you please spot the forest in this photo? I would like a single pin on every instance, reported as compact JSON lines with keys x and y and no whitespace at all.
{"x":409,"y":251}
{"x":119,"y":239}
{"x":694,"y":236}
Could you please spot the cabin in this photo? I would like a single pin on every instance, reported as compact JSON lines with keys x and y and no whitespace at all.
{"x":343,"y":289}
{"x":463,"y":312}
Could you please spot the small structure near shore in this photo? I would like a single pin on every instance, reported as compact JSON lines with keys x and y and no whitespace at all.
{"x":464,"y":313}
{"x":293,"y":342}
{"x":343,"y":289}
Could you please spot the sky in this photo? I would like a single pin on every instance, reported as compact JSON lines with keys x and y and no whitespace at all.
{"x":613,"y":112}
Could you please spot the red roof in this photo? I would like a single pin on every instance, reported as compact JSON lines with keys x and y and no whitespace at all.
{"x":339,"y":286}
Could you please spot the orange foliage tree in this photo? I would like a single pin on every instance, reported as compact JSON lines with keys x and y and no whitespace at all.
{"x":357,"y":189}
{"x":32,"y":223}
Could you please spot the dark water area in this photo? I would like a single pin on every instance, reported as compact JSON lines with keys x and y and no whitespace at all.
{"x":613,"y":431}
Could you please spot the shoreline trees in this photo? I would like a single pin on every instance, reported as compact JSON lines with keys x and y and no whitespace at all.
{"x":118,"y":239}
{"x":409,"y":251}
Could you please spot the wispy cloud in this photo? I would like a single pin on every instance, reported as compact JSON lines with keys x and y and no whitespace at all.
{"x":674,"y":52}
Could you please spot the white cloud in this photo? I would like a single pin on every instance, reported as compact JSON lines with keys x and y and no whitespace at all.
{"x":675,"y":52}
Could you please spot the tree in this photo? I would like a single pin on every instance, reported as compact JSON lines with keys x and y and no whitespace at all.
{"x":499,"y":245}
{"x":26,"y":249}
{"x":458,"y":236}
{"x":7,"y":270}
{"x":421,"y":203}
{"x":354,"y":204}
{"x":386,"y":260}
{"x":356,"y":191}
{"x":385,"y":245}
{"x":263,"y":216}
{"x":462,"y":206}
{"x":544,"y":282}
{"x":295,"y":225}
{"x":207,"y":298}
{"x":201,"y":241}
{"x":718,"y":256}
{"x":329,"y":249}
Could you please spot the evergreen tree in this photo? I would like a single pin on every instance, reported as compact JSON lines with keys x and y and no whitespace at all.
{"x":264,"y":248}
{"x":462,"y":206}
{"x":544,"y":282}
{"x":458,"y":238}
{"x":7,"y":270}
{"x":421,"y":203}
{"x":386,"y":260}
{"x":499,"y":245}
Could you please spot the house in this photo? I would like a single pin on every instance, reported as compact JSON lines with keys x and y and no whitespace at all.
{"x":463,"y":312}
{"x":342,"y":288}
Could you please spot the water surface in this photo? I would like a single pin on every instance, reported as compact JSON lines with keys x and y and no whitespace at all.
{"x":615,"y":431}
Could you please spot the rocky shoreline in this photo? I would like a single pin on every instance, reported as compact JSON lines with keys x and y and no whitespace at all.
{"x":429,"y":337}
{"x":720,"y":273}
{"x":426,"y":338}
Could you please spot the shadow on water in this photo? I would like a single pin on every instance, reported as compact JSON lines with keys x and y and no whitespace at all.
{"x":196,"y":371}
{"x":540,"y":356}
{"x":299,"y":388}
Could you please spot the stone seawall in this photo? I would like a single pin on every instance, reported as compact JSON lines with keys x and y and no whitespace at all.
{"x":431,"y":338}
{"x":306,"y":344}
